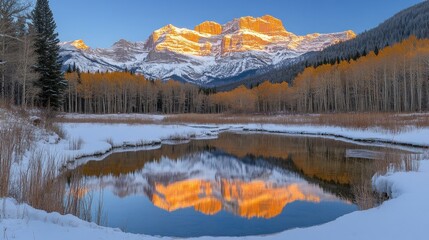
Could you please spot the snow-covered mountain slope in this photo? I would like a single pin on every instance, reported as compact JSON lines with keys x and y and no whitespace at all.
{"x":209,"y":52}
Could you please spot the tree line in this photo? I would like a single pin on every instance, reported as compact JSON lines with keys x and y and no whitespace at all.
{"x":30,"y":67}
{"x":125,"y":92}
{"x":393,"y":79}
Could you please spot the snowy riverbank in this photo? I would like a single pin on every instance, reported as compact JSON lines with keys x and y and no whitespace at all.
{"x":99,"y":139}
{"x":402,"y":217}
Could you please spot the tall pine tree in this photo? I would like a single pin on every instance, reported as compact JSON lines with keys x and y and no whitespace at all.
{"x":51,"y":81}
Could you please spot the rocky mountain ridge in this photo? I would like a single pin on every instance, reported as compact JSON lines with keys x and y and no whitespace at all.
{"x":206,"y":55}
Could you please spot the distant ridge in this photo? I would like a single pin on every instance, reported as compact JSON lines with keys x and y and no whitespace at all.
{"x":209,"y":55}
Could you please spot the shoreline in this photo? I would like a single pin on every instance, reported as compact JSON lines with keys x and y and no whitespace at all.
{"x":126,"y":147}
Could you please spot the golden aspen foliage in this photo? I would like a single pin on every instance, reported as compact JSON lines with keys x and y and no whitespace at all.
{"x":394,"y":80}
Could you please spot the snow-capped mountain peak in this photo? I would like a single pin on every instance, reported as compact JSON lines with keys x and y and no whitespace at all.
{"x":207,"y":53}
{"x":74,"y":45}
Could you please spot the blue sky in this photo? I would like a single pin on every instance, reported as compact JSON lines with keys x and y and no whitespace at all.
{"x":100,"y":23}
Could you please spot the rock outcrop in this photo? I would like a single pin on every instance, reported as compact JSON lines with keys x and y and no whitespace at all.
{"x":209,"y":27}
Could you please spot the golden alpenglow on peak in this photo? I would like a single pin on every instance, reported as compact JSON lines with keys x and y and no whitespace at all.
{"x":167,"y":29}
{"x":179,"y":40}
{"x":350,"y":34}
{"x":209,"y":27}
{"x":79,"y":44}
{"x":266,"y":24}
{"x":265,"y":35}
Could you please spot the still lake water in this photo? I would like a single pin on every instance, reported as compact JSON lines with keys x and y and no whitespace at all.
{"x":236,"y":185}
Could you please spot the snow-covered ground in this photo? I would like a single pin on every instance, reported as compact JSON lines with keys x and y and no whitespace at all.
{"x":99,"y":139}
{"x":402,"y":217}
{"x":410,"y":136}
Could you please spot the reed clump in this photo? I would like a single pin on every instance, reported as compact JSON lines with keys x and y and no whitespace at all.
{"x":16,"y":137}
{"x":38,"y":181}
{"x":390,"y":122}
{"x":75,"y":143}
{"x":393,"y":161}
{"x":39,"y":184}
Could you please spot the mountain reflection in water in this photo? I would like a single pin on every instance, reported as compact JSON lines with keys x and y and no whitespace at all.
{"x":211,"y":182}
{"x":216,"y":183}
{"x":271,"y":182}
{"x":245,"y":199}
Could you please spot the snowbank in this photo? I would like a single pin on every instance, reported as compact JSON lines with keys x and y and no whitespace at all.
{"x":412,"y":136}
{"x":24,"y":222}
{"x":98,"y":139}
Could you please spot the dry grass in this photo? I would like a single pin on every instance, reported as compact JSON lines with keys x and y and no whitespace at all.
{"x":79,"y":199}
{"x":16,"y":137}
{"x":39,"y":185}
{"x":48,"y":121}
{"x":57,"y":129}
{"x":364,"y":194}
{"x":76,"y":200}
{"x":4,"y":104}
{"x":6,"y":153}
{"x":45,"y":186}
{"x":110,"y":141}
{"x":386,"y":121}
{"x":395,"y":162}
{"x":107,"y":120}
{"x":75,"y":144}
{"x":178,"y":137}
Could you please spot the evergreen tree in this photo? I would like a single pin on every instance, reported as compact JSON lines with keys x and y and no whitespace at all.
{"x":376,"y":51}
{"x":51,"y":81}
